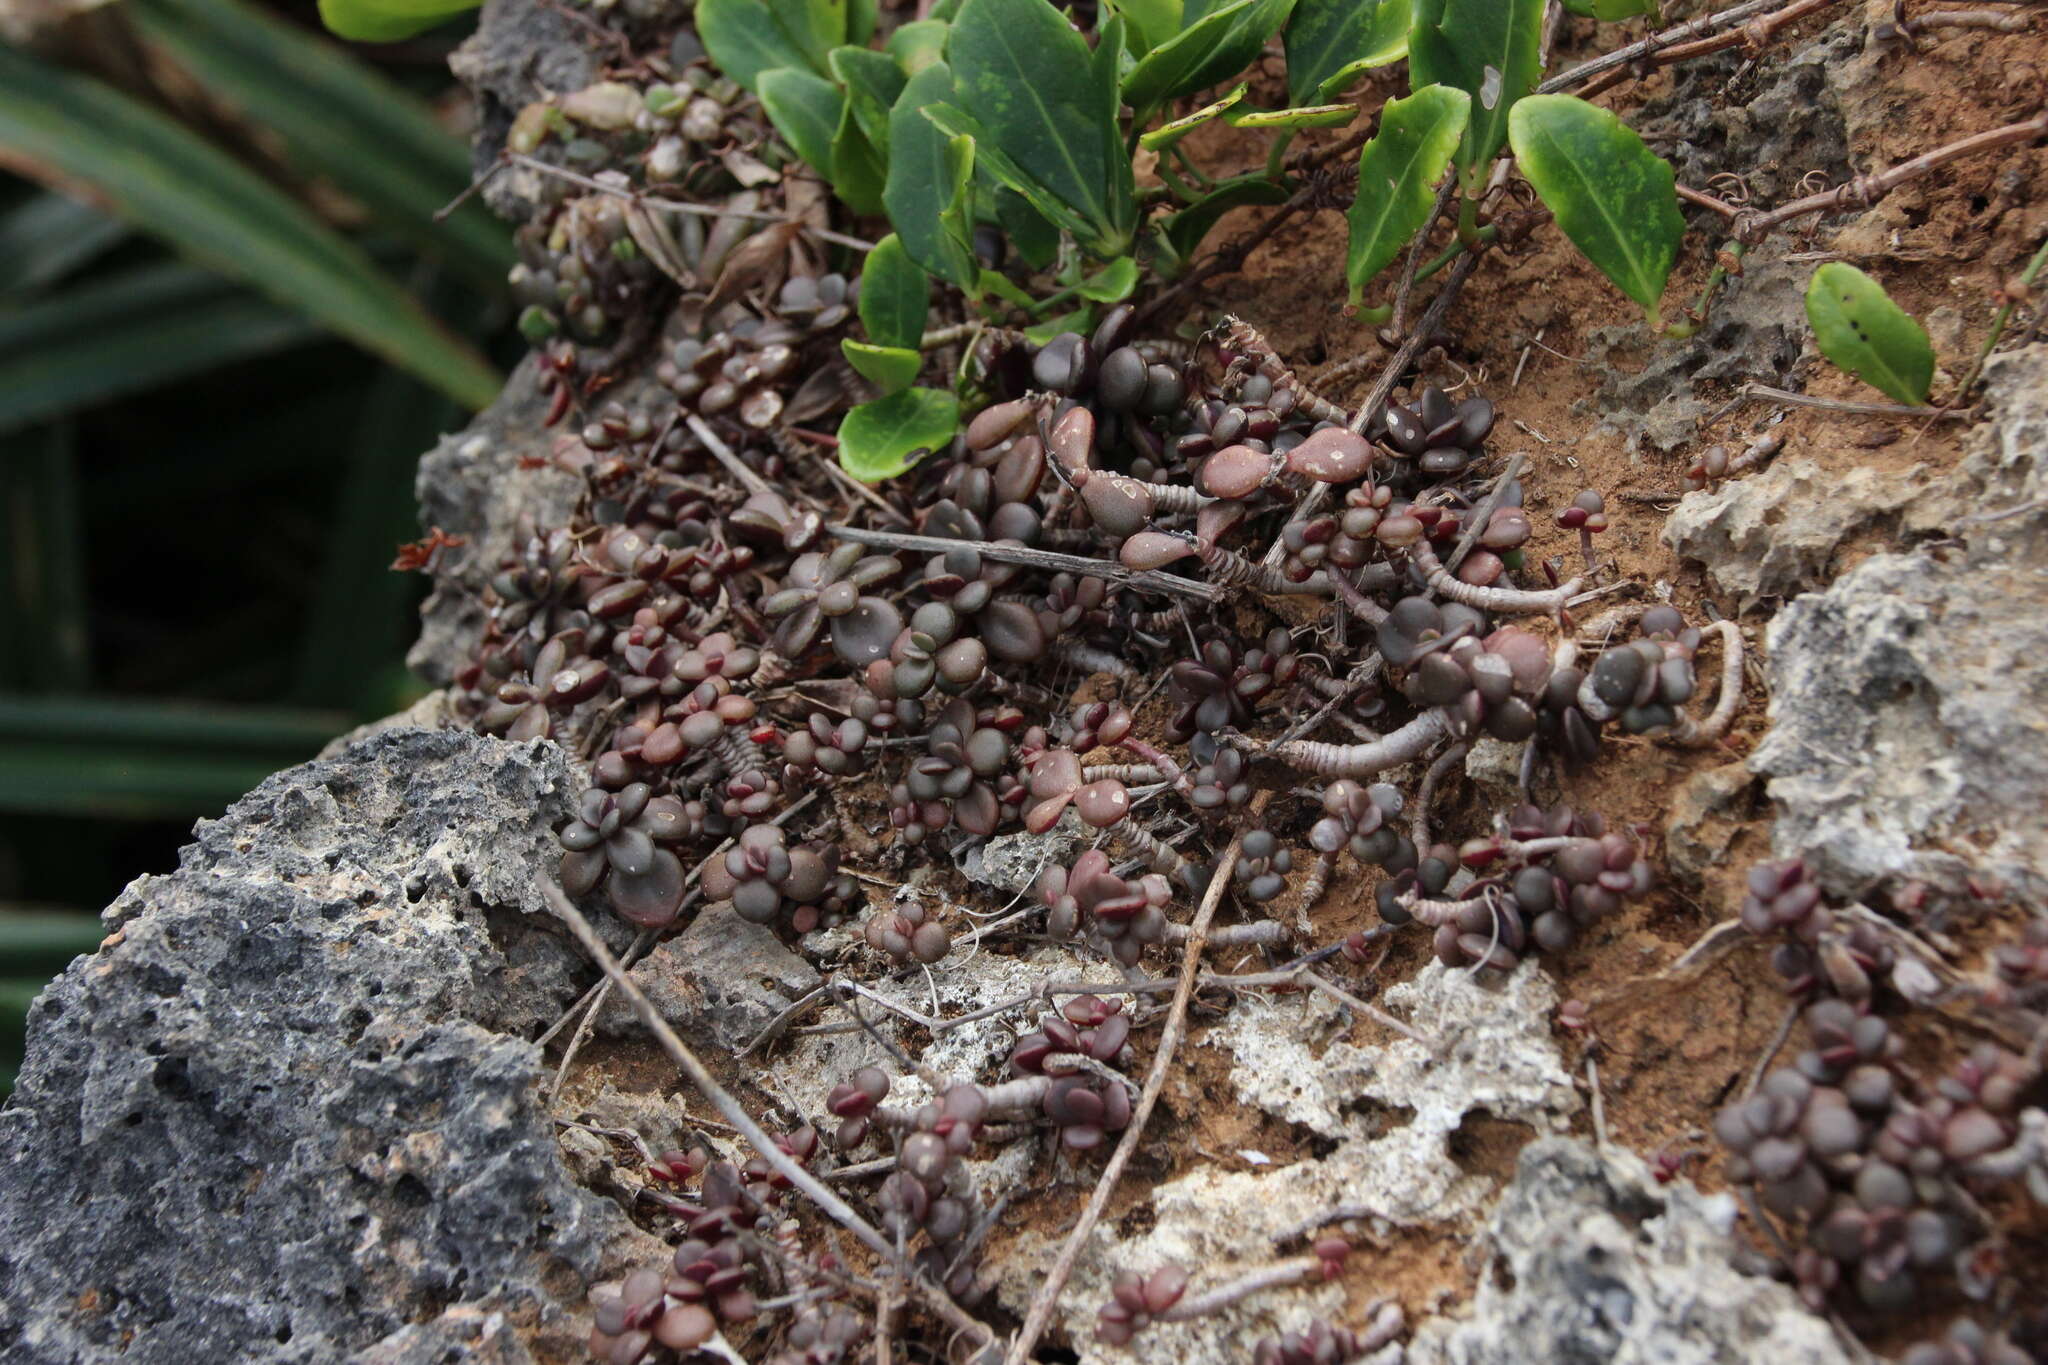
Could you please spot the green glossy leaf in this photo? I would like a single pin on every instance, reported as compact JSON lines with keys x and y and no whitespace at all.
{"x":880,"y":440}
{"x":1166,"y":134}
{"x":1079,"y":320}
{"x":339,"y":119}
{"x":45,"y":237}
{"x":1612,"y":195}
{"x":930,"y":183}
{"x":1005,"y":288}
{"x":873,"y":84}
{"x":1185,"y":230}
{"x":894,"y":295}
{"x":1330,"y":43}
{"x":889,"y":368}
{"x":859,"y":169}
{"x":388,"y":21}
{"x":746,"y":39}
{"x":1034,"y":239}
{"x":1045,"y":112}
{"x":1147,"y":23}
{"x":996,"y":163}
{"x":806,"y":109}
{"x":817,"y":26}
{"x":1313,"y":116}
{"x":1863,"y":331}
{"x":1491,"y":50}
{"x":917,"y":44}
{"x":1111,"y":284}
{"x":1398,"y":172}
{"x":1213,"y":48}
{"x":863,"y":17}
{"x":1610,"y":11}
{"x":128,"y":333}
{"x":170,"y":183}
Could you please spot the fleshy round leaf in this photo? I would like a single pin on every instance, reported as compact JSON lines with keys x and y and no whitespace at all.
{"x":889,"y":367}
{"x":1612,"y":195}
{"x":388,"y":21}
{"x":1330,"y":43}
{"x":1863,"y":331}
{"x":1491,"y":50}
{"x":880,"y":440}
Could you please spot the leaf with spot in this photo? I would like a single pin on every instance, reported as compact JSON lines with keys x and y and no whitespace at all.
{"x":894,"y":295}
{"x":1042,"y":109}
{"x":806,"y":110}
{"x":1331,"y":43}
{"x":889,"y":368}
{"x":1211,"y":48}
{"x":929,"y":187}
{"x":1398,"y":173}
{"x":1613,"y":196}
{"x":746,"y":38}
{"x":1863,"y":331}
{"x":880,"y":440}
{"x":1166,"y":134}
{"x":1491,"y":50}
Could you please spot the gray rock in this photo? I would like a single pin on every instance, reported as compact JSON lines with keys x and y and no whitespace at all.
{"x":723,"y":976}
{"x":1596,"y":1262}
{"x":475,"y":484}
{"x":1756,"y":332}
{"x":287,"y":1112}
{"x":1775,"y":534}
{"x":1706,"y":813}
{"x":1909,"y":702}
{"x":522,"y":50}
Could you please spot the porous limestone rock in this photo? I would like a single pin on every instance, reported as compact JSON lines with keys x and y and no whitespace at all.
{"x":1391,"y":1106}
{"x":288,"y":1112}
{"x":1774,"y":534}
{"x":1594,"y":1261}
{"x":1909,"y":701}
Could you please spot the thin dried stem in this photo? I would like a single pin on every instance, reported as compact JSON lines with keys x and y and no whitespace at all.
{"x":1276,"y":1276}
{"x":1106,"y":569}
{"x":1661,"y":48}
{"x":736,"y":1114}
{"x":1046,"y":1299}
{"x":693,"y":210}
{"x":1371,"y":1011}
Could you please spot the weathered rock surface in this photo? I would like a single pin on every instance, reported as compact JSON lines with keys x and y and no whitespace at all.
{"x":1775,"y":534}
{"x":723,"y":977}
{"x":1596,"y":1262}
{"x":1909,"y":701}
{"x":287,"y":1112}
{"x":1390,"y":1109}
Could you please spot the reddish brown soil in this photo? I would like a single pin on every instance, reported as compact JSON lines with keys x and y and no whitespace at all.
{"x":1663,"y":1071}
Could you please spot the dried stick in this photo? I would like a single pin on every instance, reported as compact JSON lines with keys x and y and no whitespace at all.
{"x":736,"y":1114}
{"x":1371,"y":1011}
{"x":1106,"y":569}
{"x":1864,"y":190}
{"x":678,"y":206}
{"x":1663,"y":47}
{"x":1046,"y":1299}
